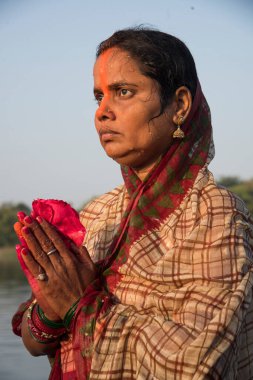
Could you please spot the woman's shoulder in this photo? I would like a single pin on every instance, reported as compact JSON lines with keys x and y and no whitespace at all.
{"x":217,"y":200}
{"x":222,"y":197}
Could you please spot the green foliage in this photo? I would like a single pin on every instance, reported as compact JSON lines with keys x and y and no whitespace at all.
{"x":8,"y":216}
{"x":242,"y":188}
{"x":229,"y":181}
{"x":9,"y":266}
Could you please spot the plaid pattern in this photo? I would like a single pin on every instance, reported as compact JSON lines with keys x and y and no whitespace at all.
{"x":67,"y":361}
{"x":185,"y":306}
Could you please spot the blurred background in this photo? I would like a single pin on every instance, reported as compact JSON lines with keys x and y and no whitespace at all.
{"x":48,"y":145}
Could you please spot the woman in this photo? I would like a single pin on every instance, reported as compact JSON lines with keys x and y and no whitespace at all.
{"x":167,"y":293}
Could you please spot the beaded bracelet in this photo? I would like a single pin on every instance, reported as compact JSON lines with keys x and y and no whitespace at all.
{"x":38,"y":330}
{"x":70,"y":314}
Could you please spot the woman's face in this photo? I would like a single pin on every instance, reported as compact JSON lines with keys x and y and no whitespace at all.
{"x":128,"y":103}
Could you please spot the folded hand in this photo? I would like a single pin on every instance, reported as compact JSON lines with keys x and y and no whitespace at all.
{"x":67,"y":271}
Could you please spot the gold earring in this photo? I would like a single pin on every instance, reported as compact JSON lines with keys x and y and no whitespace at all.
{"x":179,"y":134}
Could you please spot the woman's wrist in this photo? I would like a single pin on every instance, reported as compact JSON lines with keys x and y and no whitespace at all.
{"x":49,"y":322}
{"x":65,"y":323}
{"x":69,"y":316}
{"x":41,"y":329}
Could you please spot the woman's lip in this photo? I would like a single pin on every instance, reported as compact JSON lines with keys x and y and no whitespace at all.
{"x":103,"y":131}
{"x":106,"y":134}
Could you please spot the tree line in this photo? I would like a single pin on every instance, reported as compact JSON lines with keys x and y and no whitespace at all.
{"x":8,"y":211}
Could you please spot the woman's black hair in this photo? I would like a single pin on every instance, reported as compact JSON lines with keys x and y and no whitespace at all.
{"x":161,"y":57}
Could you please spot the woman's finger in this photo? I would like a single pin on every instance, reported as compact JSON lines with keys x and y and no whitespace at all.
{"x":44,"y":241}
{"x":18,"y":230}
{"x":35,"y":249}
{"x":56,"y":239}
{"x":83,"y":256}
{"x":33,"y":266}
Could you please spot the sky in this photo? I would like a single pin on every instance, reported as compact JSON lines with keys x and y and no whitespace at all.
{"x":48,"y":144}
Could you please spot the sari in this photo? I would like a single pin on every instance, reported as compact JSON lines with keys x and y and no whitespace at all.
{"x":173,"y":296}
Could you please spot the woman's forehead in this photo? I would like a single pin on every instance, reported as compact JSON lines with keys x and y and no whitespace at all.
{"x":117,"y":62}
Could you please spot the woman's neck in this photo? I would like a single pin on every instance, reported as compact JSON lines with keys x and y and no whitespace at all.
{"x":143,"y":172}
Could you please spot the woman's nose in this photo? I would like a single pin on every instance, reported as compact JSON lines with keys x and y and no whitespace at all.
{"x":105,"y":112}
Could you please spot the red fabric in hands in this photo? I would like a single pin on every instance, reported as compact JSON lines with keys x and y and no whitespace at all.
{"x":62,"y":216}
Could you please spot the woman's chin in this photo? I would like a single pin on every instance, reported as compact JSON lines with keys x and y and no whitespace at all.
{"x":120,"y":159}
{"x":128,"y":157}
{"x":119,"y":156}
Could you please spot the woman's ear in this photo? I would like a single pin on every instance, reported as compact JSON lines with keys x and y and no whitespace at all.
{"x":183,"y":100}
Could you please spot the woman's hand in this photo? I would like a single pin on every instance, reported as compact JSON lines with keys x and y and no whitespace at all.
{"x":68,"y":271}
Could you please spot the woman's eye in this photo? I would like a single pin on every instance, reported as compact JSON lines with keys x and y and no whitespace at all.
{"x":124,"y":92}
{"x":98,"y":98}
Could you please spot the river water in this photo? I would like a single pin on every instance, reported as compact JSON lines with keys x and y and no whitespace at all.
{"x":15,"y":362}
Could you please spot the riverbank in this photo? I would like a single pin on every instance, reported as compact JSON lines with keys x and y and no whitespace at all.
{"x":9,"y":265}
{"x":8,"y":254}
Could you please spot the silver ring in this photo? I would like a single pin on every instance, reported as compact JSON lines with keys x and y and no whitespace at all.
{"x":52,"y":251}
{"x":41,"y":277}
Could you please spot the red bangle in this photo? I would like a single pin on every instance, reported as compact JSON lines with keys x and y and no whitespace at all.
{"x":38,"y":330}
